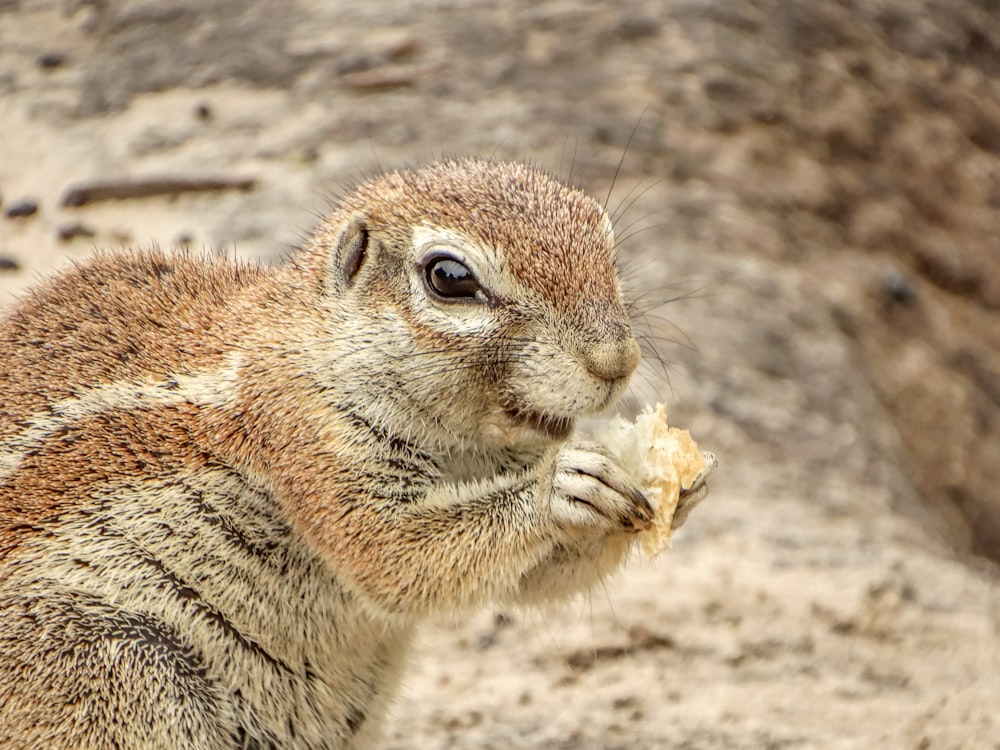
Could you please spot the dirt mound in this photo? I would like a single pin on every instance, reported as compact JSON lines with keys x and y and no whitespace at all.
{"x":863,"y":141}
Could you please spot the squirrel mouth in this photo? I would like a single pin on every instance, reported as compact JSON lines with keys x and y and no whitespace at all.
{"x":556,"y":428}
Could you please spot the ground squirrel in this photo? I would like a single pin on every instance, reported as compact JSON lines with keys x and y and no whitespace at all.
{"x":228,"y":493}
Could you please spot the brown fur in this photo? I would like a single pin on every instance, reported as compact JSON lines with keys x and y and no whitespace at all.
{"x":229,"y":493}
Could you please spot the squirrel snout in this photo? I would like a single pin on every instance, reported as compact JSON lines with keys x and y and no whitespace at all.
{"x":612,"y":360}
{"x":607,"y":347}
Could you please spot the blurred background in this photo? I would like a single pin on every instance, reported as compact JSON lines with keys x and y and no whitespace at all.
{"x":807,"y":198}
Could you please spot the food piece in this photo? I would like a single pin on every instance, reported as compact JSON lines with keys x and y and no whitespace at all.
{"x":662,"y":460}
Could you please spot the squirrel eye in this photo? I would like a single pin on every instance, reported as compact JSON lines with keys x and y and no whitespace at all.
{"x":450,"y":279}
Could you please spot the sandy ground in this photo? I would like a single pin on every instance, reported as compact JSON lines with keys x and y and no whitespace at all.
{"x":812,"y":602}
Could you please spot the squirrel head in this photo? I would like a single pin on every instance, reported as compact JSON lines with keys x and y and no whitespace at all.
{"x":479,"y":300}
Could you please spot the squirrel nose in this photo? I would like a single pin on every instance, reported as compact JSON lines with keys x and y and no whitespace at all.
{"x":612,"y":360}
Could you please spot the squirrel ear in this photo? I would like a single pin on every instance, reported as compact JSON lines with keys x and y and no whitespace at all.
{"x":352,"y":248}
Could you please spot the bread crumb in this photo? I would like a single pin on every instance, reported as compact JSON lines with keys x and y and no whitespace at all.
{"x":661,"y":459}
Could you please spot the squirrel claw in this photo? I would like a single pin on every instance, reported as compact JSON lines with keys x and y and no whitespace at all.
{"x":693,"y":495}
{"x":599,"y":491}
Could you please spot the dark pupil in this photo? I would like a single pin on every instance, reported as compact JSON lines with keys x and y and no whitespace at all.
{"x":449,"y":278}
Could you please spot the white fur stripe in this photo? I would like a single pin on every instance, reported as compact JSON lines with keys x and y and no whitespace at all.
{"x":207,"y":388}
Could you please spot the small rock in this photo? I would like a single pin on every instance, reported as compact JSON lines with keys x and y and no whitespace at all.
{"x":633,"y":28}
{"x":50,"y":60}
{"x":73,"y":230}
{"x":402,"y":48}
{"x":203,"y":111}
{"x":21,"y":208}
{"x":310,"y":154}
{"x":898,"y":289}
{"x":8,"y":264}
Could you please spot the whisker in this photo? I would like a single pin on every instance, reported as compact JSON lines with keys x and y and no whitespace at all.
{"x":646,"y":301}
{"x":627,"y":232}
{"x":621,"y":160}
{"x":653,"y":354}
{"x":642,"y":230}
{"x":623,"y":208}
{"x":682,"y":340}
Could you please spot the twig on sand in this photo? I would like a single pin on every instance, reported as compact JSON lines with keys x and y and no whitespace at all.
{"x":121,"y":188}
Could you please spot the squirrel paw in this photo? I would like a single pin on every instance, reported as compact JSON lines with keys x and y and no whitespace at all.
{"x":590,"y":490}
